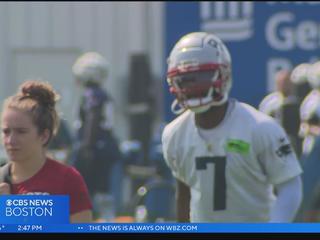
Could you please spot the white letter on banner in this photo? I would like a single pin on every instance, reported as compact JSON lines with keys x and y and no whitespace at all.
{"x":8,"y":212}
{"x":271,"y":31}
{"x":48,"y":211}
{"x":307,"y":35}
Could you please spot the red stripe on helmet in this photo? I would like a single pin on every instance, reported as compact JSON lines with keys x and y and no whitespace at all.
{"x":188,"y":69}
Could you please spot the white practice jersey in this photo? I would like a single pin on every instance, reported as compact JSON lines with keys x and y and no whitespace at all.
{"x":231,"y":176}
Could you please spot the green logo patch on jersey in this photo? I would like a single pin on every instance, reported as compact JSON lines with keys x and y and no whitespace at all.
{"x":238,"y":146}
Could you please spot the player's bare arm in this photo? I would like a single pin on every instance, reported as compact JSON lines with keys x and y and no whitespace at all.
{"x":183,"y":202}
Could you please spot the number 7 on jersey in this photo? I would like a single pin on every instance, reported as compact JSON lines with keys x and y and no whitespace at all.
{"x":219,"y":188}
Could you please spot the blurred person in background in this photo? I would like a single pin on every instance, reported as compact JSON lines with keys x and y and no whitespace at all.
{"x":299,"y":77}
{"x":284,"y":103}
{"x":309,"y":111}
{"x":227,"y":157}
{"x":273,"y":102}
{"x":310,"y":130}
{"x":29,"y":121}
{"x":97,"y":149}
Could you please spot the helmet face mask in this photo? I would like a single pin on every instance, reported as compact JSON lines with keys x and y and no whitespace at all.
{"x":196,"y":85}
{"x":199,"y":72}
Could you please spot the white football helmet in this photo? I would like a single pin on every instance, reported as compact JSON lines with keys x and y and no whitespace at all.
{"x":314,"y":75}
{"x":90,"y":67}
{"x":310,"y":108}
{"x":199,"y":72}
{"x":272,"y":104}
{"x":299,"y":74}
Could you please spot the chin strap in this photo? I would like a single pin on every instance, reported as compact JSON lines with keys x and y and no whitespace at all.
{"x":174,"y":108}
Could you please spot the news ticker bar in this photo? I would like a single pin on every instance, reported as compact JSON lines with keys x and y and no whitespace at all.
{"x":162,"y":228}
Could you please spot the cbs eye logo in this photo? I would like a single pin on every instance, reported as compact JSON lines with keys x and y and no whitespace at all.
{"x":9,"y":202}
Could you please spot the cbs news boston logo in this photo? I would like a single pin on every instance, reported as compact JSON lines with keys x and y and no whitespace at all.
{"x":34,"y":209}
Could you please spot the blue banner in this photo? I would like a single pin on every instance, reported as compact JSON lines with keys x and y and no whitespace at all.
{"x":263,"y":37}
{"x":33,"y":209}
{"x":162,"y":228}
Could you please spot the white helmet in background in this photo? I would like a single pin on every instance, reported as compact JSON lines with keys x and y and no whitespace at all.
{"x":299,"y":74}
{"x":199,"y":72}
{"x":314,"y":75}
{"x":272,"y":104}
{"x":90,"y":67}
{"x":310,"y":120}
{"x":310,"y":108}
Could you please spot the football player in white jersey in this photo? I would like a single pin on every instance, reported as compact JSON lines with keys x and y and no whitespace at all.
{"x":228,"y":158}
{"x":283,"y":105}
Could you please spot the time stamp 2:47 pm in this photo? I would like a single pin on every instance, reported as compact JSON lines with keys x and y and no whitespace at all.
{"x":28,"y":228}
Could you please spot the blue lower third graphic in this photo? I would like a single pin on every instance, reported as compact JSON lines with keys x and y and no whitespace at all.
{"x":31,"y":209}
{"x":163,"y":228}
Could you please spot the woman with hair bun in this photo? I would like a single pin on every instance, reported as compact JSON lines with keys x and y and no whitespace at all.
{"x":29,"y":120}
